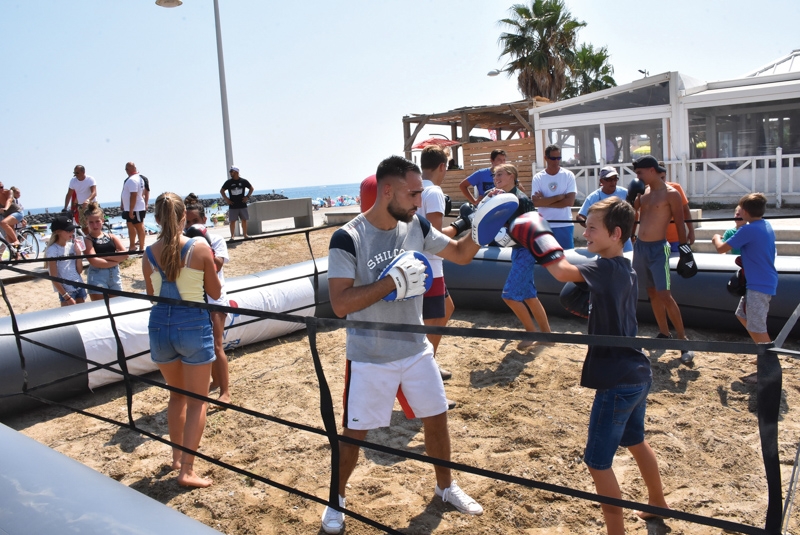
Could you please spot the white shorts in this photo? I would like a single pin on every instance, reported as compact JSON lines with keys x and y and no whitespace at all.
{"x":370,"y":390}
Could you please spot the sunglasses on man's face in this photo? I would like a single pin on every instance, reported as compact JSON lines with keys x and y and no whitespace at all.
{"x":554,"y":158}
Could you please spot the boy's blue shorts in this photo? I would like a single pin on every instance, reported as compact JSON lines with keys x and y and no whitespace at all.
{"x":617,"y":419}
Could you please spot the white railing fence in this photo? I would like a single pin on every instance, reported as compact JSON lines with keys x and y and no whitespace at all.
{"x":722,"y":180}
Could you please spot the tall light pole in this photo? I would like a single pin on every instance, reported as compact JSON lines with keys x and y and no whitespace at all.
{"x":223,"y":90}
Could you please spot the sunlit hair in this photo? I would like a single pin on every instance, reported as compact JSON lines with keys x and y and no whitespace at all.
{"x":432,"y":157}
{"x":170,"y":211}
{"x":92,"y":209}
{"x":508,"y":168}
{"x":616,"y":213}
{"x":755,"y":204}
{"x":15,"y":189}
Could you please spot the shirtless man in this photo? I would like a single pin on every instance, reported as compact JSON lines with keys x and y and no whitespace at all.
{"x":657,"y":206}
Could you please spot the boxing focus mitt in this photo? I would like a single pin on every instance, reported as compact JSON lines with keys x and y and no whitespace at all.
{"x":635,"y":188}
{"x":574,"y":297}
{"x":533,"y":232}
{"x":412,"y":275}
{"x":464,"y":221}
{"x":491,"y":215}
{"x":503,"y":239}
{"x":687,"y":267}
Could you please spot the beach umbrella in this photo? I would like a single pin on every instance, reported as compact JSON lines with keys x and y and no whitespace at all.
{"x":435,"y":141}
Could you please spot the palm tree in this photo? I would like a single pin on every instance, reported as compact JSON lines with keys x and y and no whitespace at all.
{"x":590,"y":72}
{"x":541,"y":46}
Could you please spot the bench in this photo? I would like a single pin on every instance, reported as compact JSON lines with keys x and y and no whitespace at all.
{"x":298,"y":209}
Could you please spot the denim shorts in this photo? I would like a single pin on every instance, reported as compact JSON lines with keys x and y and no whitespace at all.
{"x":617,"y":419}
{"x":76,"y":293}
{"x":104,"y":278}
{"x":180,"y":332}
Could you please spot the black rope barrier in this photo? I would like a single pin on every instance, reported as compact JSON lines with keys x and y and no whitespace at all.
{"x":769,"y":388}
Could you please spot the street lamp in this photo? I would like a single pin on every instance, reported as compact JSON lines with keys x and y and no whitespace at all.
{"x":223,"y":91}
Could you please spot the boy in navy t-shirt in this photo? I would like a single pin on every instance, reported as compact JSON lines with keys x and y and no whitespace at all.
{"x":756,"y":241}
{"x":621,"y":375}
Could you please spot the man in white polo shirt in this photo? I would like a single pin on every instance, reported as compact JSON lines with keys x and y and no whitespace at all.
{"x":82,"y":190}
{"x":553,"y":194}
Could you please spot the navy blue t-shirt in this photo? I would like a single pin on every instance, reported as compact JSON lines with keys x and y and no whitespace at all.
{"x":612,"y":311}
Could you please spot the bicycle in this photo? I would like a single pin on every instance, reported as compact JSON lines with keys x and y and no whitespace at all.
{"x":28,"y":246}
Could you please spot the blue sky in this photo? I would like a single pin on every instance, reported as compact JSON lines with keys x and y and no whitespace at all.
{"x":316,"y":90}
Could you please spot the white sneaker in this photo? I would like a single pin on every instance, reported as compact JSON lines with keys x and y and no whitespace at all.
{"x":459,"y":499}
{"x":333,"y":520}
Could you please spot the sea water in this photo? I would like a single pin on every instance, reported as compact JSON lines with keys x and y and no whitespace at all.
{"x":332,"y":191}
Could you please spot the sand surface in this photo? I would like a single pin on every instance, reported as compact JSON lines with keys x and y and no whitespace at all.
{"x":520,"y":413}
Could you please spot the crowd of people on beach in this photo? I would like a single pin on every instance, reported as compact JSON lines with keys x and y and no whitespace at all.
{"x":386,"y":265}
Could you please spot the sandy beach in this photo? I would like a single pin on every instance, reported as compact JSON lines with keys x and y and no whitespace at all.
{"x":520,"y":413}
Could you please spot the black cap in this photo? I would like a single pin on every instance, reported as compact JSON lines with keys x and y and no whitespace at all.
{"x":62,"y":223}
{"x":648,"y":162}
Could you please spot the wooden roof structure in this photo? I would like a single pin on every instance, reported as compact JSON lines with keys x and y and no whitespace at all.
{"x":508,"y":118}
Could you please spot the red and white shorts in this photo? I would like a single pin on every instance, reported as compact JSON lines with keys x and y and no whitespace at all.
{"x":370,"y":390}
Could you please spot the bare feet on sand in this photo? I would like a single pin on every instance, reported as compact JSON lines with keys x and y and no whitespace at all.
{"x":187,"y":478}
{"x":649,"y":516}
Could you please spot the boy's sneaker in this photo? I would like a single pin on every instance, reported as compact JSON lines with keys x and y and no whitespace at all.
{"x":459,"y":499}
{"x":662,"y":335}
{"x":333,"y":520}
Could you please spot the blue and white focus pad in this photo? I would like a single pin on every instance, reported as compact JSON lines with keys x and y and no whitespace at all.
{"x":491,"y":215}
{"x":412,"y":275}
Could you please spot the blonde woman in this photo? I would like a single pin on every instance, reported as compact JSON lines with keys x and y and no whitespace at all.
{"x":181,"y":341}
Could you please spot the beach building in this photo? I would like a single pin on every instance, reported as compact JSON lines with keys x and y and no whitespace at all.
{"x":719,"y":140}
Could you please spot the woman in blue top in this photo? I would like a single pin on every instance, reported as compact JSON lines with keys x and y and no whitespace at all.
{"x":181,"y":342}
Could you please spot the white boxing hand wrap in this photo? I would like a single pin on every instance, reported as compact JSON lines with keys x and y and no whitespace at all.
{"x":411,"y":273}
{"x":504,"y":239}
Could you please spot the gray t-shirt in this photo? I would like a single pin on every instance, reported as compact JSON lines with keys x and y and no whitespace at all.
{"x":359,"y":251}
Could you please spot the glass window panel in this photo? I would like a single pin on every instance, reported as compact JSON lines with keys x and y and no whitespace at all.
{"x":580,"y":145}
{"x":745,"y":130}
{"x":634,"y":139}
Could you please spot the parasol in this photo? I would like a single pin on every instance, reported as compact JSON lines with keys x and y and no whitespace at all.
{"x":435,"y":141}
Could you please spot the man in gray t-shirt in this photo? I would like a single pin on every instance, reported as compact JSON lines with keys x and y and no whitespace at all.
{"x":379,"y":362}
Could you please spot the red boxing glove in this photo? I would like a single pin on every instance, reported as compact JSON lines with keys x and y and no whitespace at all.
{"x":533,"y":232}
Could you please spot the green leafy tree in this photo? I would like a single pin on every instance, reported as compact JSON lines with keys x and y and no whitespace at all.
{"x":541,"y":44}
{"x":589,"y":72}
